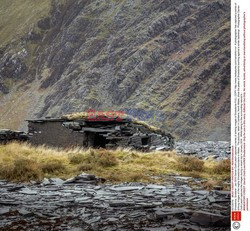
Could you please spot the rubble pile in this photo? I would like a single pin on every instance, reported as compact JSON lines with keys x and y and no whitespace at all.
{"x":81,"y":204}
{"x":217,"y":149}
{"x":7,"y":135}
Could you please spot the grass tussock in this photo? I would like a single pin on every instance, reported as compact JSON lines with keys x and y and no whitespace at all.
{"x":53,"y":167}
{"x":101,"y":158}
{"x":23,"y":162}
{"x":223,"y":166}
{"x":212,"y":184}
{"x":190,"y":164}
{"x":21,"y":170}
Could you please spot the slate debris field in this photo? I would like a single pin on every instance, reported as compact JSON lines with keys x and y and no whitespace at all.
{"x":219,"y":150}
{"x":84,"y":203}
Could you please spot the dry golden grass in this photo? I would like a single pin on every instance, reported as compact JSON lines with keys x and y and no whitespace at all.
{"x":222,"y":167}
{"x":23,"y":162}
{"x":187,"y":163}
{"x":75,"y":116}
{"x":21,"y":170}
{"x":209,"y":185}
{"x":106,"y":114}
{"x":102,"y":158}
{"x":150,"y":127}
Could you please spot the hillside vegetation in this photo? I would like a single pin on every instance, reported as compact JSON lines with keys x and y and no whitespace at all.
{"x":59,"y":57}
{"x":18,"y":17}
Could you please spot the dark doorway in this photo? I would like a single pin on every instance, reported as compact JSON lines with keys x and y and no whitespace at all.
{"x":99,"y":141}
{"x":145,"y":141}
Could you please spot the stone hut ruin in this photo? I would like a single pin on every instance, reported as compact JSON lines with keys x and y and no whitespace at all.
{"x":98,"y":132}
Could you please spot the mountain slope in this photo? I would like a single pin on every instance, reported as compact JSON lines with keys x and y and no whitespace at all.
{"x":166,"y":55}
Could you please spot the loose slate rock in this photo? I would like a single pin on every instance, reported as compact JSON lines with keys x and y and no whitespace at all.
{"x":56,"y":181}
{"x":4,"y":211}
{"x":210,"y":219}
{"x":121,"y":203}
{"x":83,"y":179}
{"x":28,"y":191}
{"x":163,"y":213}
{"x":126,"y":188}
{"x":25,"y":212}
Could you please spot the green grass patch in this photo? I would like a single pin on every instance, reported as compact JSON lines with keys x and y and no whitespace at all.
{"x":17,"y":16}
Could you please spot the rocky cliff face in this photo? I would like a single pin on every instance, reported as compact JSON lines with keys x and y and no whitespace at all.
{"x":64,"y":56}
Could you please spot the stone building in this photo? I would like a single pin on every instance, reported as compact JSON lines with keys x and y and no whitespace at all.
{"x":68,"y":132}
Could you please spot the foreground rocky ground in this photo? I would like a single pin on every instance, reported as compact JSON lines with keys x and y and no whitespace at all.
{"x":84,"y":203}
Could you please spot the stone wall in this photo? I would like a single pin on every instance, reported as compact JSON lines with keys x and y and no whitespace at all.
{"x":54,"y":134}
